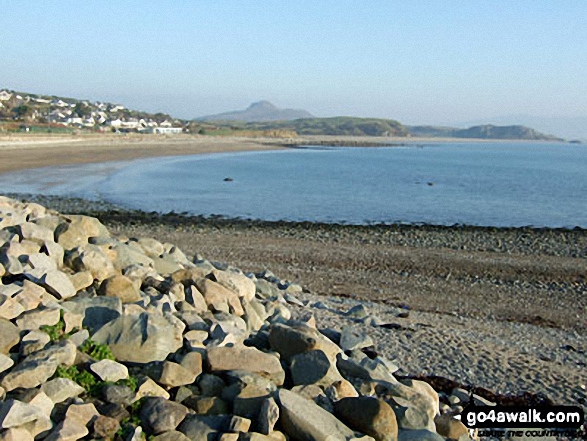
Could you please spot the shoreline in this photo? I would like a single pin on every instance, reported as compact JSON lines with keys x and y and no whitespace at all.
{"x":52,"y":150}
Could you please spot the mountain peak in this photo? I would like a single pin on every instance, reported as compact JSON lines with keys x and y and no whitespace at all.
{"x":259,"y":111}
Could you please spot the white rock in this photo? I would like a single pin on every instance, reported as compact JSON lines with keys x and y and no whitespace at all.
{"x":61,"y":389}
{"x":109,"y":370}
{"x":16,"y":413}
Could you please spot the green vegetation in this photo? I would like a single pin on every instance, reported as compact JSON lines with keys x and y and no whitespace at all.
{"x":96,"y":350}
{"x":339,"y":126}
{"x":56,"y":331}
{"x":84,"y":378}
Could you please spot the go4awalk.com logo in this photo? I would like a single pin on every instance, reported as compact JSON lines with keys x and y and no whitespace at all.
{"x":535,"y":421}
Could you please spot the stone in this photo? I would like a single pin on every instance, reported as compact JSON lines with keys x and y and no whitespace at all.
{"x":55,"y":252}
{"x":203,"y":427}
{"x":352,"y":339}
{"x":77,"y":230}
{"x":210,"y":385}
{"x":192,"y":361}
{"x":36,"y":318}
{"x":313,"y":367}
{"x":16,"y":434}
{"x":9,"y":335}
{"x":234,"y":358}
{"x":81,"y":280}
{"x":30,"y":296}
{"x":142,"y":338}
{"x":109,"y":370}
{"x":414,"y":418}
{"x":369,"y":415}
{"x":195,"y":298}
{"x":61,"y":389}
{"x":249,"y":400}
{"x":41,"y":261}
{"x":195,"y":339}
{"x":34,"y":341}
{"x":161,"y":415}
{"x":10,"y":308}
{"x":95,"y":311}
{"x":68,"y":430}
{"x":148,"y":388}
{"x":292,"y":340}
{"x":302,"y":419}
{"x":93,"y":259}
{"x":358,"y":312}
{"x":207,"y":405}
{"x":268,"y":416}
{"x":5,"y":362}
{"x":239,"y":424}
{"x":57,"y":283}
{"x":121,"y":287}
{"x":218,"y":298}
{"x":39,"y":399}
{"x":118,"y":394}
{"x":229,"y":330}
{"x":37,"y":368}
{"x":16,"y":413}
{"x":174,"y":375}
{"x":235,"y":282}
{"x":341,"y":389}
{"x":105,"y":427}
{"x":450,"y":427}
{"x":255,"y":315}
{"x":83,"y":413}
{"x":34,"y":232}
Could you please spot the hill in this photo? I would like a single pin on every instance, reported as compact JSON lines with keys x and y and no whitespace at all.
{"x":338,"y":126}
{"x":487,"y":131}
{"x":259,"y":111}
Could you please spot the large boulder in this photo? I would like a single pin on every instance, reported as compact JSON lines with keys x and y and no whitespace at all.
{"x":142,"y":338}
{"x":77,"y":229}
{"x":246,"y":358}
{"x":304,"y":420}
{"x":369,"y":415}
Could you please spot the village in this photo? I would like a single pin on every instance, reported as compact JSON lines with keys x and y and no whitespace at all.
{"x":28,"y":110}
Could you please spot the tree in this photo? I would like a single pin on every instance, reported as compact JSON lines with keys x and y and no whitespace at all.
{"x":23,"y":112}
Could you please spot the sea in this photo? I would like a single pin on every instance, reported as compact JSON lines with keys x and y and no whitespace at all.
{"x":500,"y":184}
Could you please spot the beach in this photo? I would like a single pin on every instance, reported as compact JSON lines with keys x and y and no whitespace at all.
{"x":503,"y":309}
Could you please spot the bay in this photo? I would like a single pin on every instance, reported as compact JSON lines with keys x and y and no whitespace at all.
{"x":502,"y":184}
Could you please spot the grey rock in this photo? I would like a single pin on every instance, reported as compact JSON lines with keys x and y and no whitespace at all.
{"x":268,"y":416}
{"x":313,"y":367}
{"x":252,"y":359}
{"x":117,"y":394}
{"x":203,"y":427}
{"x":9,"y":335}
{"x":38,"y":317}
{"x":161,"y":415}
{"x":352,"y":339}
{"x":96,"y":311}
{"x":302,"y":419}
{"x":142,"y":338}
{"x":109,"y":370}
{"x":16,"y":413}
{"x":61,"y":389}
{"x":37,"y":368}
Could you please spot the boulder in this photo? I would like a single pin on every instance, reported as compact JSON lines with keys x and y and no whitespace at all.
{"x":161,"y":415}
{"x":369,"y":415}
{"x":121,"y":287}
{"x":109,"y":370}
{"x":242,"y":357}
{"x":218,"y":298}
{"x":77,"y":229}
{"x":37,"y":368}
{"x":292,"y":340}
{"x":235,"y":282}
{"x":313,"y":367}
{"x":9,"y":335}
{"x":142,"y":338}
{"x":61,"y":389}
{"x":303,"y":420}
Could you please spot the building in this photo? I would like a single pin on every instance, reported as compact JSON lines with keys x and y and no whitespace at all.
{"x":165,"y":130}
{"x":4,"y":95}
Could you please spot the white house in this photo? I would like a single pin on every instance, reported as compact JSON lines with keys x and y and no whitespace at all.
{"x":165,"y":130}
{"x":4,"y":95}
{"x":59,"y":103}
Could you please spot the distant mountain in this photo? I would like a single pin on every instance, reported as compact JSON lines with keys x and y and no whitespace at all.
{"x":259,"y":112}
{"x":487,"y":131}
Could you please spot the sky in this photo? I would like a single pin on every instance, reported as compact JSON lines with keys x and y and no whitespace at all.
{"x":420,"y":62}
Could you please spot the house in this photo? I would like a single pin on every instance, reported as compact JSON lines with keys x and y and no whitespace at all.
{"x":165,"y":123}
{"x":59,"y":103}
{"x":89,"y":122}
{"x":4,"y":95}
{"x":165,"y":130}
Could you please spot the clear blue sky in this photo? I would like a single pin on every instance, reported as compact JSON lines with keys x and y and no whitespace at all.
{"x":415,"y":61}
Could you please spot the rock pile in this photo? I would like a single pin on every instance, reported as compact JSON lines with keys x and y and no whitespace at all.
{"x":106,"y":337}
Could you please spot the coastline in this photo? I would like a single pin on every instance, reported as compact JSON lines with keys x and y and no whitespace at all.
{"x":20,"y":152}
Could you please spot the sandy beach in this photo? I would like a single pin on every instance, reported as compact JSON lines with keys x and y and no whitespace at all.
{"x":503,"y":309}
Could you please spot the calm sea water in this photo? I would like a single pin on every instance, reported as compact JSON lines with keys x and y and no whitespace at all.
{"x":492,"y":184}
